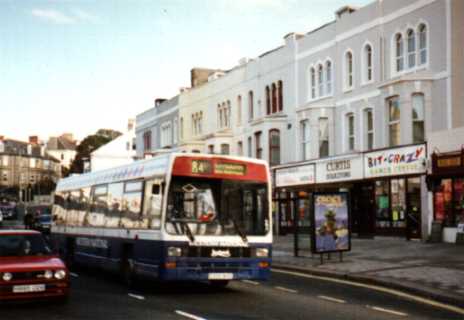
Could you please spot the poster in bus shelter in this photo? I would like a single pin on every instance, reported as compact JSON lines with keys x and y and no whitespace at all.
{"x":330,"y":223}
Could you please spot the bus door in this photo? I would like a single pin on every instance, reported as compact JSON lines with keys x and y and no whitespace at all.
{"x":153,"y":203}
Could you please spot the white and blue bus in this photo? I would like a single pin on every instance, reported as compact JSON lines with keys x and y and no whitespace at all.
{"x":173,"y":217}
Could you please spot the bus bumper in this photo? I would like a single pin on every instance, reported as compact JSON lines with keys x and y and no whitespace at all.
{"x":216,"y":270}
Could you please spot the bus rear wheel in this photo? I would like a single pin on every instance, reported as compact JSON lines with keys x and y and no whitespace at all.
{"x":219,"y":284}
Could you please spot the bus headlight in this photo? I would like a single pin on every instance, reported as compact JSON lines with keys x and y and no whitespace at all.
{"x":262,"y":252}
{"x":7,"y":276}
{"x":60,"y":274}
{"x":174,"y":252}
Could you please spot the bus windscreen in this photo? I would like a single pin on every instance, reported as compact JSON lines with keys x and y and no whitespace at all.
{"x":198,"y":206}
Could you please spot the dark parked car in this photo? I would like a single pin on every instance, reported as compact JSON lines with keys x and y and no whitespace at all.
{"x":43,"y":223}
{"x":9,"y":210}
{"x":28,"y":268}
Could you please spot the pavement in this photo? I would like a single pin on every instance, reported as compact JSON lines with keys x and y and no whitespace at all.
{"x":432,"y":270}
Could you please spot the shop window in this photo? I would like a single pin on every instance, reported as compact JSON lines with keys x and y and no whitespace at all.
{"x":274,"y":147}
{"x":394,"y":120}
{"x":418,"y":130}
{"x":449,"y":202}
{"x":398,"y":203}
{"x":323,"y":137}
{"x":382,"y":202}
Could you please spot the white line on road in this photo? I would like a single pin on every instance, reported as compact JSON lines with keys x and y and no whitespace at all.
{"x":286,"y":289}
{"x":251,"y":282}
{"x":136,"y":296}
{"x":331,"y":299}
{"x":377,"y":288}
{"x":189,"y":315}
{"x":396,"y":313}
{"x":75,"y":275}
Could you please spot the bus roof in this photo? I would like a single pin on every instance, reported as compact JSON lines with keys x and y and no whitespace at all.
{"x":156,"y":166}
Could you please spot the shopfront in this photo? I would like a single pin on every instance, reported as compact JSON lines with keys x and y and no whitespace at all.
{"x":447,"y":185}
{"x":291,"y":196}
{"x":295,"y":184}
{"x":396,"y":177}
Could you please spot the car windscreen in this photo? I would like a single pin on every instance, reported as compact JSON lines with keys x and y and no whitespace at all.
{"x":23,"y":245}
{"x":217,"y":207}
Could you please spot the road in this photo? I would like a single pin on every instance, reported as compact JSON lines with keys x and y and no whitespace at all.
{"x":96,"y":295}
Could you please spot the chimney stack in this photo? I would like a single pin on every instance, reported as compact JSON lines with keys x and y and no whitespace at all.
{"x":33,"y":139}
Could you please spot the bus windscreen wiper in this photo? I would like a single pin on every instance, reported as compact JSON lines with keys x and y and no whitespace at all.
{"x":239,"y":230}
{"x":184,"y":225}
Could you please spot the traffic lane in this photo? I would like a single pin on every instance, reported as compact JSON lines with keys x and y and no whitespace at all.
{"x":93,"y":296}
{"x":98,"y":296}
{"x":360,"y":296}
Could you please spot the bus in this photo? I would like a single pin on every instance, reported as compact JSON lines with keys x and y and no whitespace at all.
{"x":176,"y":216}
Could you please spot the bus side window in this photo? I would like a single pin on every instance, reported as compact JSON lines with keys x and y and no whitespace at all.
{"x":153,"y":204}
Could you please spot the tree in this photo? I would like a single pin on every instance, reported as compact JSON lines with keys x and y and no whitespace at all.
{"x":90,"y":144}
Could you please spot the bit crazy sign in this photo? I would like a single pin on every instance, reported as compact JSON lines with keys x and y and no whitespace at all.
{"x":398,"y":161}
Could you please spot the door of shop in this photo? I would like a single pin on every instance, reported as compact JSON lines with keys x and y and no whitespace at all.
{"x":413,"y":214}
{"x":365,"y":205}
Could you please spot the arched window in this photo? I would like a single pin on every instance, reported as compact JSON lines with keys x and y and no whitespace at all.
{"x":418,"y":117}
{"x":320,"y":80}
{"x":280,"y":96}
{"x":274,"y":98}
{"x":181,"y":124}
{"x":328,"y":77}
{"x":239,"y":110}
{"x":268,"y":100}
{"x":350,"y":131}
{"x":411,"y":48}
{"x":274,"y":147}
{"x":422,"y":32}
{"x":399,"y":52}
{"x":367,"y":63}
{"x":348,"y":70}
{"x":369,"y":125}
{"x":225,"y":149}
{"x":219,"y":115}
{"x":250,"y":105}
{"x":313,"y":83}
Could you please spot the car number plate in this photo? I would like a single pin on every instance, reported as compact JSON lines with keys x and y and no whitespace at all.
{"x":220,"y":276}
{"x":29,"y":288}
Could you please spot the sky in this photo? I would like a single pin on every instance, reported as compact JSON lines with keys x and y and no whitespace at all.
{"x":77,"y":66}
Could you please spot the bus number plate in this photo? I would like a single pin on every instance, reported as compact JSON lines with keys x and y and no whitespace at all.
{"x":220,"y":276}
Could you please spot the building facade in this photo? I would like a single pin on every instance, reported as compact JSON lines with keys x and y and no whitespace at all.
{"x":359,"y":104}
{"x":25,"y":169}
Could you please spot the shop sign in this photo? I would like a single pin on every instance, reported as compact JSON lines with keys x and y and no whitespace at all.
{"x":293,"y":176}
{"x":330,"y":223}
{"x":398,"y":161}
{"x":339,"y":170}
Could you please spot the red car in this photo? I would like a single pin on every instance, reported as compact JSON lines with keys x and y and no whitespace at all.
{"x":29,"y":269}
